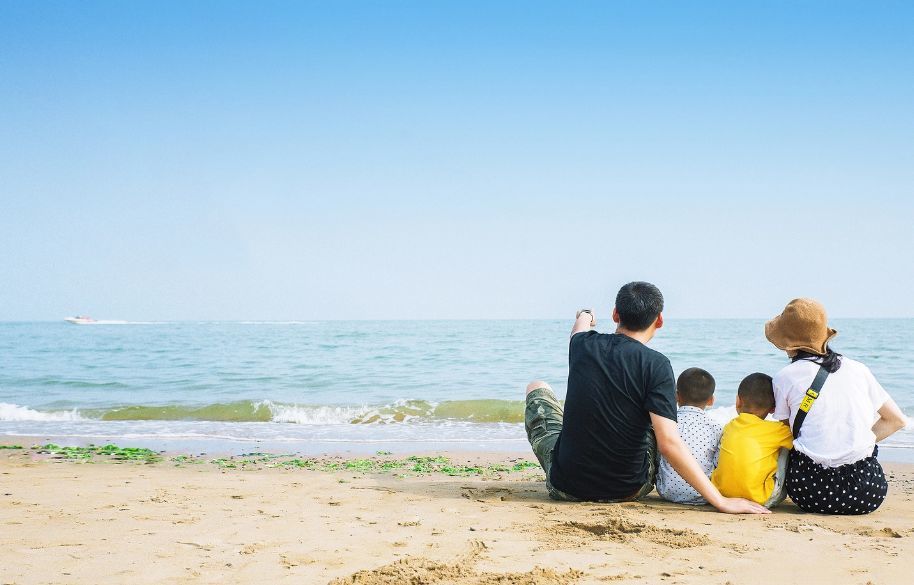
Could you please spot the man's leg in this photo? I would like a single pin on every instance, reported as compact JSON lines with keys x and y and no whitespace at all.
{"x":543,"y":420}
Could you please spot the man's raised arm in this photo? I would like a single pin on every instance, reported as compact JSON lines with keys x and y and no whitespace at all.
{"x":583,"y":321}
{"x":674,"y":449}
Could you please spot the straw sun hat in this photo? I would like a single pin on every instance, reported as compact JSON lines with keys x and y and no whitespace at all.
{"x":803,"y":325}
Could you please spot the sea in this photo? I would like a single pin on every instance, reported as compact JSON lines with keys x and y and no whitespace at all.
{"x":342,"y":387}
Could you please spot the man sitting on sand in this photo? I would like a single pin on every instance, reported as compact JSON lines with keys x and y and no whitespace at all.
{"x":602,"y":447}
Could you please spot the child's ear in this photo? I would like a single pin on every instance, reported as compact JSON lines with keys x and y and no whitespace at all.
{"x":771,"y":410}
{"x":710,"y":402}
{"x":739,"y":403}
{"x":678,"y":399}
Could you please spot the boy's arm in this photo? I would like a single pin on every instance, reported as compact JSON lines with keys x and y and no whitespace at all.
{"x":677,"y":453}
{"x":786,"y":438}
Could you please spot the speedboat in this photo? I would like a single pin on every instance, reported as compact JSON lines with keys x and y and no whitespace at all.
{"x":81,"y":320}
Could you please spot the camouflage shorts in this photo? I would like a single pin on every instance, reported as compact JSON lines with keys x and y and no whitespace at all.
{"x":543,"y":419}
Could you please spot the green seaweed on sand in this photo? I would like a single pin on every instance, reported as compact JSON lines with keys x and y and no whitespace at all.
{"x":415,"y":464}
{"x":297,"y":462}
{"x":224,"y":463}
{"x":412,"y":465}
{"x":11,"y":447}
{"x":361,"y":464}
{"x":389,"y":465}
{"x":129,"y":453}
{"x":427,"y":464}
{"x":111,"y":452}
{"x":186,"y":459}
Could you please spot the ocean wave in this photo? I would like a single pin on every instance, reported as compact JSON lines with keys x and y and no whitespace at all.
{"x":482,"y":411}
{"x":15,"y":412}
{"x":401,"y":411}
{"x":313,"y":415}
{"x":398,"y":412}
{"x":240,"y":411}
{"x":50,"y":381}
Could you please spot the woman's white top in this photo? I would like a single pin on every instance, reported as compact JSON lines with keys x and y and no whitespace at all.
{"x":839,"y":427}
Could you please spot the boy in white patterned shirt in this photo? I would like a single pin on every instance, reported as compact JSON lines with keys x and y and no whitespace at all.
{"x":694,"y":393}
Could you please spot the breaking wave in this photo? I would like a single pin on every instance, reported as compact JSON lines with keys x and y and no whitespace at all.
{"x":508,"y":411}
{"x":401,"y":411}
{"x":14,"y":412}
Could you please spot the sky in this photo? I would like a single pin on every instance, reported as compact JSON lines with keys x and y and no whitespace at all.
{"x":453,"y":160}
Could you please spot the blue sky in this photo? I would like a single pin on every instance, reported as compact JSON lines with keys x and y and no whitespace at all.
{"x":302,"y":160}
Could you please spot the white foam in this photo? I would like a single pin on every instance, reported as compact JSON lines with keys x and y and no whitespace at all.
{"x":722,"y":414}
{"x":15,"y":412}
{"x":313,"y":415}
{"x":396,"y":412}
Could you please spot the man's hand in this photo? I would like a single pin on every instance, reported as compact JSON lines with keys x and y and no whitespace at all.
{"x":593,"y":318}
{"x":584,"y":320}
{"x":740,"y":506}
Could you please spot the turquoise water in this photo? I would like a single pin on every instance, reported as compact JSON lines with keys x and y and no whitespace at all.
{"x":330,"y":386}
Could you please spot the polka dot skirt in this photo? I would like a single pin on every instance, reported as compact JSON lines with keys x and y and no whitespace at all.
{"x":855,"y":488}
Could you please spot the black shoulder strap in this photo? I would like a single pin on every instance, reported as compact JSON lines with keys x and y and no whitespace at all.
{"x":814,"y":390}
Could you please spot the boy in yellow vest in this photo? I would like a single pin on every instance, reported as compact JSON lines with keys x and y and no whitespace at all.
{"x":753,"y":451}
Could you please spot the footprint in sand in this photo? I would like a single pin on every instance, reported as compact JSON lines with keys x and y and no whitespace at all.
{"x":887,"y":532}
{"x":619,"y":528}
{"x":460,"y":571}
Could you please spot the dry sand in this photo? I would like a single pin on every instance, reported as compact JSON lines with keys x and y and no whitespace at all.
{"x":108,"y":522}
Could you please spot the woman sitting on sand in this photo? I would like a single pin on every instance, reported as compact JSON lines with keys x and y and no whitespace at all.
{"x":831,"y":403}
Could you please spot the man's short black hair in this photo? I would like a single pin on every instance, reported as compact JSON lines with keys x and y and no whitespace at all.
{"x":638,"y":304}
{"x":695,"y":387}
{"x":757,"y":392}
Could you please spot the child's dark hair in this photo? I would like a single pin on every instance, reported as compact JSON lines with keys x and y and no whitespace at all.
{"x":757,"y":392}
{"x":695,"y":387}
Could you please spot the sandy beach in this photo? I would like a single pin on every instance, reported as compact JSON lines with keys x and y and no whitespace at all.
{"x":68,"y":518}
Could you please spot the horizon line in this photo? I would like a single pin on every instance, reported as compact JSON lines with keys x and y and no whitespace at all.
{"x":413,"y":319}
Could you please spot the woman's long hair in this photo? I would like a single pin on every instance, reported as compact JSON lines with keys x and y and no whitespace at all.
{"x":831,"y":361}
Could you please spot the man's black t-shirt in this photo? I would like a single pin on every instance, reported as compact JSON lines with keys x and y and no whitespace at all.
{"x":614,"y":382}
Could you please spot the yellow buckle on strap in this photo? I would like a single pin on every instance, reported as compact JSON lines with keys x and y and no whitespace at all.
{"x":810,"y":397}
